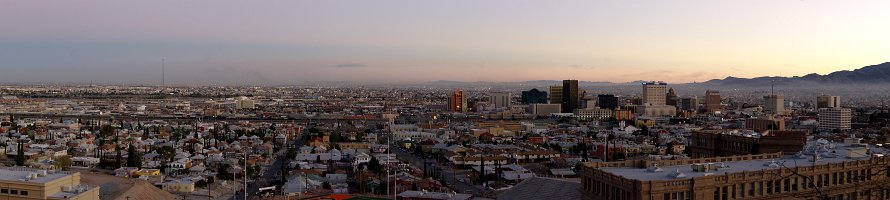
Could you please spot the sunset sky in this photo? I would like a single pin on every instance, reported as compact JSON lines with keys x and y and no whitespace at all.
{"x":281,"y":42}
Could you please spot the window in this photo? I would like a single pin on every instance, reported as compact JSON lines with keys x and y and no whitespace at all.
{"x":4,"y":191}
{"x":16,"y":192}
{"x":751,"y":190}
{"x":23,"y":193}
{"x":834,"y":178}
{"x":787,"y":185}
{"x":769,"y":187}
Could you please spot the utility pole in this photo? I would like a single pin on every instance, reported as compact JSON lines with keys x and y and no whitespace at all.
{"x":245,"y":175}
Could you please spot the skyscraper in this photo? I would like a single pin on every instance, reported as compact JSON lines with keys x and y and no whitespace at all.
{"x":826,"y":101}
{"x":499,"y":99}
{"x":555,"y":94}
{"x":774,"y":104}
{"x":457,"y":102}
{"x":689,"y":103}
{"x":570,"y":98}
{"x":712,"y":101}
{"x":654,"y":101}
{"x":607,"y":101}
{"x":534,"y":96}
{"x":654,"y":93}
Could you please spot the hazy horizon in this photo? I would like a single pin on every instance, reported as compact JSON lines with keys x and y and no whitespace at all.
{"x":400,"y":41}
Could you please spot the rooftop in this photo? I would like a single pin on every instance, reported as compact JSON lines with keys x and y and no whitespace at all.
{"x":823,"y":151}
{"x":29,"y":175}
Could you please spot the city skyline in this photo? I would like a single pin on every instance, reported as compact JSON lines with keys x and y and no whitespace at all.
{"x":291,"y":42}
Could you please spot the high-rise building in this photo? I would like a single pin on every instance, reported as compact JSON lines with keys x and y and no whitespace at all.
{"x":654,"y":93}
{"x":499,"y":99}
{"x":457,"y":102}
{"x":570,"y":97}
{"x":826,"y":101}
{"x":534,"y":96}
{"x":607,"y":101}
{"x":713,"y":101}
{"x":689,"y":103}
{"x":835,"y":119}
{"x":654,"y":103}
{"x":555,"y":94}
{"x":774,"y":104}
{"x":672,"y":98}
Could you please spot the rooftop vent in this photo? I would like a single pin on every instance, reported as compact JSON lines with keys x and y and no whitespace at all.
{"x":771,"y":163}
{"x":654,"y":168}
{"x":677,"y":174}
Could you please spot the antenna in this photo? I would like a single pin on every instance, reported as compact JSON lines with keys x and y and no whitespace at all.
{"x":772,"y":89}
{"x":163,"y":73}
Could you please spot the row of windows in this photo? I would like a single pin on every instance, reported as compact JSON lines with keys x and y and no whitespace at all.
{"x":792,"y":184}
{"x":13,"y":192}
{"x":605,"y":190}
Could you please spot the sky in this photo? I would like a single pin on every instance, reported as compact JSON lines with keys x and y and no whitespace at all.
{"x":410,"y":41}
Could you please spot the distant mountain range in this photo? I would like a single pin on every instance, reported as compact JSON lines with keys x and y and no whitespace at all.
{"x":875,"y":74}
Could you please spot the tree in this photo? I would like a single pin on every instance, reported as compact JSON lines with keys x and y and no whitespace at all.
{"x":134,"y":159}
{"x":63,"y":162}
{"x":374,"y":165}
{"x":106,"y":130}
{"x":20,"y":155}
{"x":222,"y":172}
{"x":326,"y":185}
{"x":118,"y":156}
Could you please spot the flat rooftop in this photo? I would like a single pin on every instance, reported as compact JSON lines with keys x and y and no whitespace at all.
{"x":17,"y":174}
{"x":826,"y":152}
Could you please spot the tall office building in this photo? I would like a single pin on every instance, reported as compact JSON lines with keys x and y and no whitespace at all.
{"x":534,"y":96}
{"x":555,"y":94}
{"x":774,"y":104}
{"x":671,"y":98}
{"x":712,"y":101}
{"x":654,"y":101}
{"x":607,"y":101}
{"x":654,"y":93}
{"x":499,"y":99}
{"x":570,"y":97}
{"x":835,"y":119}
{"x":689,"y":103}
{"x":826,"y":101}
{"x":457,"y":102}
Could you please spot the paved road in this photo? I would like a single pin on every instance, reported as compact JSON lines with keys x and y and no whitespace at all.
{"x":270,"y":173}
{"x":451,"y":175}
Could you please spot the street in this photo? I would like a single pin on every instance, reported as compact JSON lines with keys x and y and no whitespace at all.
{"x":270,"y":173}
{"x":451,"y":175}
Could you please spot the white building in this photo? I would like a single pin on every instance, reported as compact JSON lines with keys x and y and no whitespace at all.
{"x":835,"y":119}
{"x":499,"y":99}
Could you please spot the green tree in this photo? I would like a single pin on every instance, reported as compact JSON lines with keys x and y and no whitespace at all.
{"x":106,"y":130}
{"x":20,"y":155}
{"x":63,"y":162}
{"x":374,"y":165}
{"x":134,"y":158}
{"x":222,"y":172}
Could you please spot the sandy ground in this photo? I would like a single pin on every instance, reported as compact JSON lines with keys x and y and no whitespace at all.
{"x":119,"y":188}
